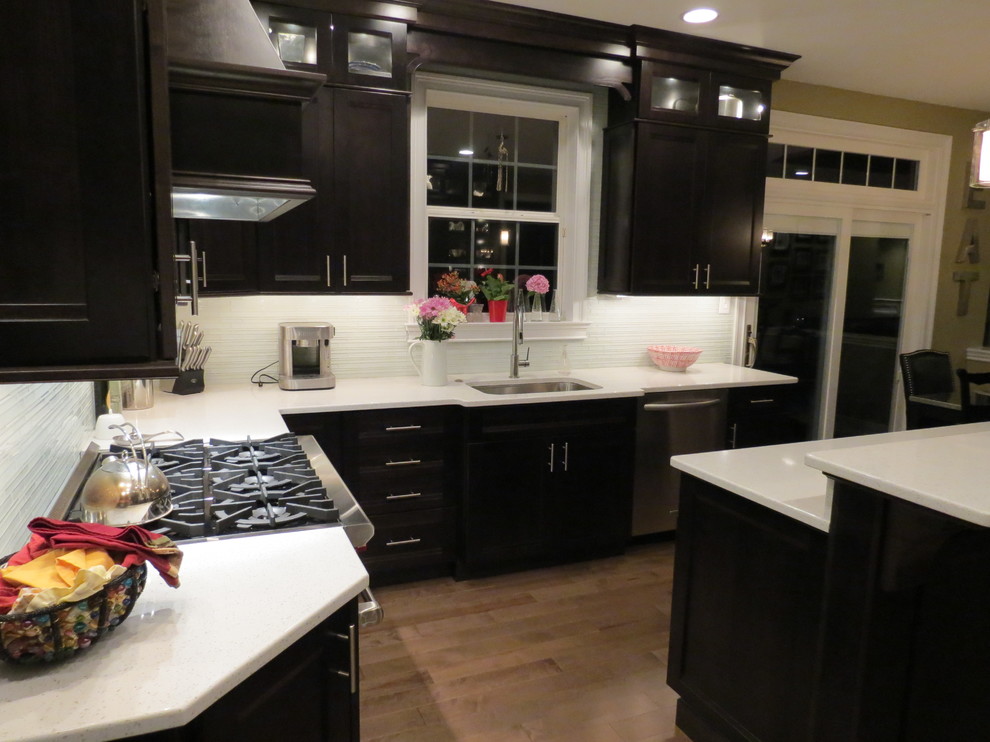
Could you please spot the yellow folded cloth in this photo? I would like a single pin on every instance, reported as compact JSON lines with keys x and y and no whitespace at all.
{"x":56,"y":568}
{"x":85,"y":582}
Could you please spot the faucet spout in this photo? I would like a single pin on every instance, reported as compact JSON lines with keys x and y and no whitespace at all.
{"x":518,"y":336}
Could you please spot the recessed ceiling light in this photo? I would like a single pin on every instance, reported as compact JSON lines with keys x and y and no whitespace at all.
{"x":700,"y":15}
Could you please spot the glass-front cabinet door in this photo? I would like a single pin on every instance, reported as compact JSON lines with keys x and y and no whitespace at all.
{"x":350,"y":50}
{"x":696,"y":96}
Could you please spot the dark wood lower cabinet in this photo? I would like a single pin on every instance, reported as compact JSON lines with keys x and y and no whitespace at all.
{"x":545,"y":483}
{"x":308,"y":693}
{"x":745,"y":618}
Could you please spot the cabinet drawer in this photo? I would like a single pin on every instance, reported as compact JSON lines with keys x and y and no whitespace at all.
{"x":412,"y":532}
{"x":531,"y":421}
{"x":407,"y":423}
{"x":395,"y":491}
{"x":755,"y":400}
{"x":401,"y":454}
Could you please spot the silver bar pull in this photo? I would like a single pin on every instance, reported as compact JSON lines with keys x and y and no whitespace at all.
{"x":750,"y":359}
{"x":345,"y":270}
{"x":391,"y":428}
{"x":566,"y":446}
{"x":403,"y":542}
{"x":732,"y":438}
{"x":551,"y":459}
{"x":194,"y":269}
{"x":352,"y":673}
{"x":328,"y":271}
{"x":767,"y":400}
{"x":403,"y":497}
{"x":407,"y":462}
{"x":202,"y":256}
{"x":708,"y":276}
{"x":661,"y":406}
{"x":697,"y":268}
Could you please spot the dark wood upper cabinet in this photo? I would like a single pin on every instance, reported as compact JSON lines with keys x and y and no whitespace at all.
{"x":85,"y":270}
{"x":685,"y":169}
{"x":353,"y":237}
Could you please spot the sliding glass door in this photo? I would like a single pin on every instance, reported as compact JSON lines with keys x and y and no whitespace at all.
{"x":834,"y":311}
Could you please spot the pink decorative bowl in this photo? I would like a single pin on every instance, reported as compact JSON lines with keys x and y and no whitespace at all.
{"x":673,"y":357}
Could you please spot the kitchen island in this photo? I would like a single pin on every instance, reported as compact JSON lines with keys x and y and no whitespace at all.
{"x":835,"y":590}
{"x":242,"y":603}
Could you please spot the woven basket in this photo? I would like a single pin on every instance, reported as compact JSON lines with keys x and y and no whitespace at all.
{"x":65,"y":628}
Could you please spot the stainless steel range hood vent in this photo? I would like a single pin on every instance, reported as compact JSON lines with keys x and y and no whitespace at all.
{"x":237,"y":199}
{"x":236,"y":113}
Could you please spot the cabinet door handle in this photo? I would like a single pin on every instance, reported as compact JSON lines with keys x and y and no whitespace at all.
{"x":328,"y":271}
{"x":403,"y":497}
{"x":345,"y":270}
{"x":661,"y":406}
{"x":566,"y":446}
{"x":391,"y":428}
{"x":732,"y":436}
{"x":403,"y":542}
{"x":768,"y":400}
{"x":697,"y":269}
{"x":202,"y":257}
{"x":193,"y":296}
{"x":708,"y":276}
{"x":550,"y":463}
{"x":352,"y":672}
{"x":407,"y":462}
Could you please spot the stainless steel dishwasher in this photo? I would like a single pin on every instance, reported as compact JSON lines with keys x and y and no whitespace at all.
{"x":668,"y":424}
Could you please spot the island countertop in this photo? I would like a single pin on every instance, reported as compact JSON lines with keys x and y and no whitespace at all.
{"x":922,"y":466}
{"x":241,"y":602}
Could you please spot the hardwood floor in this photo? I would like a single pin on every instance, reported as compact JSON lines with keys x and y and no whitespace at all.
{"x":574,"y":653}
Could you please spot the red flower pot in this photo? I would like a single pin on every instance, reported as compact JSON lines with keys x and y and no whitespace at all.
{"x":496,"y":309}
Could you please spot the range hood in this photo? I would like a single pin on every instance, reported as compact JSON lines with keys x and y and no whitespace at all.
{"x":236,"y":114}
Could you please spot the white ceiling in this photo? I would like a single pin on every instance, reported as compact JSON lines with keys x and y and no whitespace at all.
{"x":921,"y":50}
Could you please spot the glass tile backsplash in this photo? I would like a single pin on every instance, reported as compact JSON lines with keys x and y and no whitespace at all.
{"x":43,"y":429}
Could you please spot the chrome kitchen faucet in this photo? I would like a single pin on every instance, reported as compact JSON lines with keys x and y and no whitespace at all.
{"x":518,"y":320}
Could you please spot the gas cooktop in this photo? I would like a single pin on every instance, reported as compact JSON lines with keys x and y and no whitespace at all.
{"x":231,"y":488}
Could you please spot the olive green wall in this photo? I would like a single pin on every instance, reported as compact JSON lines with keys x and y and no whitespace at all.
{"x":952,"y":333}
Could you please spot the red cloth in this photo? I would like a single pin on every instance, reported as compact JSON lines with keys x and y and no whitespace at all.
{"x":129,"y":546}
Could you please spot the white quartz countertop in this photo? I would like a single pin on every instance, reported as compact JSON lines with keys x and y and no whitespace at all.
{"x":786,"y":478}
{"x":233,"y":411}
{"x":241,"y":602}
{"x":947,"y":470}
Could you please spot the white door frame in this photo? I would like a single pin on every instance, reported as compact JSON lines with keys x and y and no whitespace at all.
{"x":923,"y":210}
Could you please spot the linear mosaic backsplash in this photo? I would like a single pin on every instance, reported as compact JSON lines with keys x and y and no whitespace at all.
{"x":43,"y":429}
{"x":371,"y":339}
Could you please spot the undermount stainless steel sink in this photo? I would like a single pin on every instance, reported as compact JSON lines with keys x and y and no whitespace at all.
{"x":532,"y":386}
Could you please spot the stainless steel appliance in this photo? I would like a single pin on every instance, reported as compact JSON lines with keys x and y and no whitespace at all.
{"x":223,"y":489}
{"x":304,"y":355}
{"x":669,"y":424}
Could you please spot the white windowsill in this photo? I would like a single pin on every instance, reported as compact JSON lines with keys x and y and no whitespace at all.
{"x":497,"y":332}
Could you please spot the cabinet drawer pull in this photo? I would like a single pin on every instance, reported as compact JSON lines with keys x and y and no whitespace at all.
{"x":403,"y":497}
{"x":328,"y":271}
{"x":345,"y":270}
{"x":566,"y":446}
{"x":708,"y":276}
{"x":392,"y":428}
{"x":403,"y":542}
{"x":407,"y":462}
{"x":550,"y":463}
{"x":762,"y":401}
{"x":697,"y":269}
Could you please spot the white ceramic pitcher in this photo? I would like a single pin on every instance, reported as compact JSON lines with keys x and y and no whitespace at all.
{"x":433,"y":371}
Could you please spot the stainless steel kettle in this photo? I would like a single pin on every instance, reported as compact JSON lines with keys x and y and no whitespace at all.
{"x":128,"y":491}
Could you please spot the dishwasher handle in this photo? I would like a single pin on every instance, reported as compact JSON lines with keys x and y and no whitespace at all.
{"x":664,"y":406}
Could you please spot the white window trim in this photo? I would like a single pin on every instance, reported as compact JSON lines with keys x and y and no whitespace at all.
{"x":574,"y":112}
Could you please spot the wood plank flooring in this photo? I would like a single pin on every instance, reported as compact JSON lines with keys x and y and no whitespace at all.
{"x":574,"y":653}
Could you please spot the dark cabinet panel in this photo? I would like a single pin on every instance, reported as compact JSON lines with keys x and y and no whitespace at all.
{"x":227,"y":252}
{"x":353,"y":237}
{"x":81,"y":181}
{"x":745,"y":618}
{"x":371,"y":191}
{"x":545,"y":483}
{"x":765,"y":416}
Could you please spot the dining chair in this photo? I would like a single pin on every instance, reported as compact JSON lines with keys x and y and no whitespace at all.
{"x":927,"y":372}
{"x":972,"y":413}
